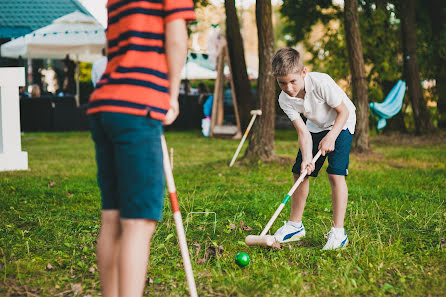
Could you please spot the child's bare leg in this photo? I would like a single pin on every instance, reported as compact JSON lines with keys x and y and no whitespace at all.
{"x":339,"y":198}
{"x":107,"y":251}
{"x":299,"y":199}
{"x":134,"y":255}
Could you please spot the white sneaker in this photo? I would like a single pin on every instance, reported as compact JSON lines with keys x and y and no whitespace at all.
{"x":289,"y":232}
{"x":335,"y":240}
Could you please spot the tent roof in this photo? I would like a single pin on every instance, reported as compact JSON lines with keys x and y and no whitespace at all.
{"x":19,"y":17}
{"x":76,"y":34}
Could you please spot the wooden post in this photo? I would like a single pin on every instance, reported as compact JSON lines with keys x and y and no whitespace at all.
{"x":234,"y":97}
{"x":218,"y":105}
{"x":217,"y":110}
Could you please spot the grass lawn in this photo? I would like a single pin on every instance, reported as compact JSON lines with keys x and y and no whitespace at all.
{"x":396,"y":220}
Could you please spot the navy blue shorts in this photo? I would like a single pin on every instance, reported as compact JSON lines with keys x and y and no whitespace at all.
{"x":130,"y":164}
{"x":337,"y":160}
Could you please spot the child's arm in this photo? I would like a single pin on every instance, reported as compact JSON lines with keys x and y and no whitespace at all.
{"x":176,"y":52}
{"x":327,"y":143}
{"x":305,"y":145}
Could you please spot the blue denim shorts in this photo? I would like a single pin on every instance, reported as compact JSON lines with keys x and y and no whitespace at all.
{"x":130,"y":164}
{"x":337,"y":160}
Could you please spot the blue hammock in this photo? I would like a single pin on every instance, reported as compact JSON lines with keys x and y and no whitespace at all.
{"x":390,"y":106}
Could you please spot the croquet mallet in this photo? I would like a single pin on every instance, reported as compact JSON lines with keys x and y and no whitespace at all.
{"x":178,"y":220}
{"x":270,"y":240}
{"x":254,"y":113}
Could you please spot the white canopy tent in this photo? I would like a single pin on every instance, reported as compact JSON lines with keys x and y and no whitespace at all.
{"x":77,"y":35}
{"x":192,"y":70}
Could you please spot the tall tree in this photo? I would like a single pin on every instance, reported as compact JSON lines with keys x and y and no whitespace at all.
{"x":238,"y":64}
{"x":422,"y":118}
{"x":437,"y":15}
{"x":261,"y":144}
{"x":357,"y":69}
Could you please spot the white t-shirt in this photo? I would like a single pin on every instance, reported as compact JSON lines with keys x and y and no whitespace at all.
{"x":98,"y":69}
{"x":321,"y":97}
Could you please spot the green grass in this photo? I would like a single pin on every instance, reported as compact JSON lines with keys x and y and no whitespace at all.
{"x":396,"y":219}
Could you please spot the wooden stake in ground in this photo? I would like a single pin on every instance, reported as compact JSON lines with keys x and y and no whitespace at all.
{"x":178,"y":220}
{"x":254,"y":113}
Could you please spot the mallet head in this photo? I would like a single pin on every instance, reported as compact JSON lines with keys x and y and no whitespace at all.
{"x":266,"y":240}
{"x":256,"y":111}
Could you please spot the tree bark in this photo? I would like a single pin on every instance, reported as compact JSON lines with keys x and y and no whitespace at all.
{"x":437,"y":14}
{"x":261,"y":143}
{"x":238,"y":64}
{"x":422,"y":118}
{"x":357,"y":69}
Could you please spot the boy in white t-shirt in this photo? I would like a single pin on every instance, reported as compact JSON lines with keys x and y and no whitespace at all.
{"x":330,"y":126}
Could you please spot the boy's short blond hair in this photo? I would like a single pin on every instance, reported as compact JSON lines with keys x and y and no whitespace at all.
{"x":286,"y":60}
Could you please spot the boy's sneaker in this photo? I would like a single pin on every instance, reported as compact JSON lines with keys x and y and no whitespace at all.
{"x":290,"y":232}
{"x":336,"y":240}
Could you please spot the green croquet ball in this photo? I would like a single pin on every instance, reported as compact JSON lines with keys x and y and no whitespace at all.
{"x":242,"y":259}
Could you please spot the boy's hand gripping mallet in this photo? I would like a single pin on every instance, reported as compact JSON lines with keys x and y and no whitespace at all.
{"x":269,"y":240}
{"x":254,"y":114}
{"x":178,"y":220}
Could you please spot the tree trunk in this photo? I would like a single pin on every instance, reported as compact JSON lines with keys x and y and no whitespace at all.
{"x":261,"y":144}
{"x":422,"y":118}
{"x":238,"y":64}
{"x":357,"y":69}
{"x":437,"y":14}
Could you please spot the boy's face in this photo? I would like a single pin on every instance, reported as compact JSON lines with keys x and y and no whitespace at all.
{"x":293,"y":83}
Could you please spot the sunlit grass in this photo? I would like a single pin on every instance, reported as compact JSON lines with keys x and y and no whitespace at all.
{"x":396,"y":220}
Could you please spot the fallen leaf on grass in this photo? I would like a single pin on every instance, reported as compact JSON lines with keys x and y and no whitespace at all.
{"x":197,"y":248}
{"x":244,"y":227}
{"x":289,"y":246}
{"x":49,"y":266}
{"x":51,"y":184}
{"x":77,"y":288}
{"x":442,"y":242}
{"x":69,"y":194}
{"x":211,"y":252}
{"x":92,"y":270}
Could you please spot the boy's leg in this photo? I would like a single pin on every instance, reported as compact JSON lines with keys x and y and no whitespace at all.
{"x":339,"y":198}
{"x":299,"y":199}
{"x":107,"y":249}
{"x":338,"y":162}
{"x":107,"y":252}
{"x":301,"y":193}
{"x":294,"y":230}
{"x":134,"y":255}
{"x":140,"y":182}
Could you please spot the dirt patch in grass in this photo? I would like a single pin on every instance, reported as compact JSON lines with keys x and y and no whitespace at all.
{"x":408,"y":139}
{"x":370,"y":156}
